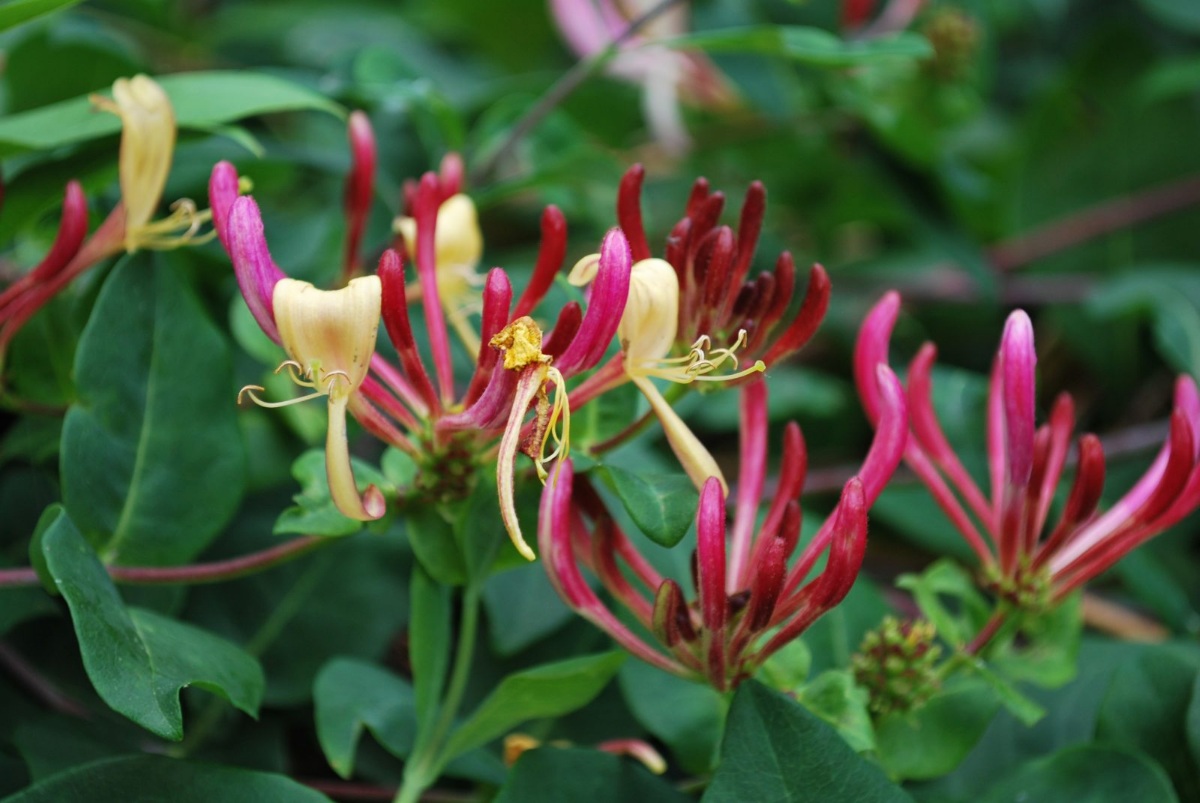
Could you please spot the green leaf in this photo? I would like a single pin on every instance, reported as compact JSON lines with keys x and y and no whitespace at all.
{"x":314,"y":512}
{"x":479,"y":531}
{"x":433,"y":541}
{"x":774,"y":749}
{"x":812,"y":46}
{"x":662,"y":506}
{"x":153,"y":463}
{"x":522,"y":608}
{"x":788,"y":667}
{"x":553,"y":775}
{"x":202,"y":100}
{"x":1045,"y":649}
{"x":137,"y":660}
{"x":933,"y":740}
{"x":350,"y":695}
{"x":1147,"y":707}
{"x":834,"y":697}
{"x":1092,"y":773}
{"x":549,"y":690}
{"x":15,"y":12}
{"x":120,"y":780}
{"x":429,"y":645}
{"x":687,"y":717}
{"x":955,"y":622}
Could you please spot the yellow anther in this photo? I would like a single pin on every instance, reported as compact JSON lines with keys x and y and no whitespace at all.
{"x":521,"y":342}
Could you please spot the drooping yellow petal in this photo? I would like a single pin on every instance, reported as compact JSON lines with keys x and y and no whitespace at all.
{"x":696,"y":461}
{"x":330,"y":337}
{"x":147,"y":144}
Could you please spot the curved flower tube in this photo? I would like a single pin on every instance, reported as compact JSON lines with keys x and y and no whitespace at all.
{"x":747,"y":602}
{"x":1023,"y":561}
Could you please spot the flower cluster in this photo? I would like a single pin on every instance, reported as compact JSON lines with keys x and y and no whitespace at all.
{"x":695,"y":309}
{"x":748,"y":601}
{"x":1022,"y":562}
{"x":329,"y":337}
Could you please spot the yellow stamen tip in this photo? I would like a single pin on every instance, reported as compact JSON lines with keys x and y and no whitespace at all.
{"x":521,"y":342}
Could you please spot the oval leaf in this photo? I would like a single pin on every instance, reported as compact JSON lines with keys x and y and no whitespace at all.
{"x":137,"y":660}
{"x":153,"y":463}
{"x":663,"y":507}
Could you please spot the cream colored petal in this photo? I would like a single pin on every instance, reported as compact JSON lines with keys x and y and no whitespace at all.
{"x":331,"y":333}
{"x":342,"y":487}
{"x":696,"y":460}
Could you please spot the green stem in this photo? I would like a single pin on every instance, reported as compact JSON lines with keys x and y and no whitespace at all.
{"x":426,"y":764}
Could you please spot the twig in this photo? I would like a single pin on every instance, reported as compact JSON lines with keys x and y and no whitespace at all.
{"x":194,"y":574}
{"x":1117,"y":620}
{"x":29,"y":677}
{"x":1095,"y":221}
{"x":561,"y":90}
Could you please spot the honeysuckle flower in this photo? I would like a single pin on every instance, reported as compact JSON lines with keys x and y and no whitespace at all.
{"x":748,"y":601}
{"x":147,"y":147}
{"x":693,"y":312}
{"x":447,"y":430}
{"x":1025,"y":563}
{"x":666,"y":76}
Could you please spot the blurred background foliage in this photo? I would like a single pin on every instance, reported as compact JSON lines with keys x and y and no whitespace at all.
{"x":1043,"y":156}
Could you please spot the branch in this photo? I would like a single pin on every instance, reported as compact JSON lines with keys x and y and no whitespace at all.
{"x":194,"y":574}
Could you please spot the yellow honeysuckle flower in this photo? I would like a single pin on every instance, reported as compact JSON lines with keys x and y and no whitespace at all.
{"x":330,"y":337}
{"x":458,"y":247}
{"x":647,"y":333}
{"x":147,"y":146}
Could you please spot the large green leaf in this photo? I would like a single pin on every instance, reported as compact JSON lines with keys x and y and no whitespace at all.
{"x":522,"y":608}
{"x":552,"y":775}
{"x":15,"y":12}
{"x":202,"y":100}
{"x":776,"y":750}
{"x":153,"y":463}
{"x":137,"y":660}
{"x":663,"y":506}
{"x":1092,"y":773}
{"x":350,"y":695}
{"x":147,"y":778}
{"x":549,"y":690}
{"x":1146,"y":709}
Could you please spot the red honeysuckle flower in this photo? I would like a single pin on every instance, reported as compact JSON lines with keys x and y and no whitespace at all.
{"x":1008,"y":532}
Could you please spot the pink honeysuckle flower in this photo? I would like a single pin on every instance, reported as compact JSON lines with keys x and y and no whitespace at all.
{"x":1021,"y":561}
{"x":897,"y":15}
{"x":666,"y":76}
{"x":748,"y":602}
{"x":694,"y":311}
{"x":447,"y":429}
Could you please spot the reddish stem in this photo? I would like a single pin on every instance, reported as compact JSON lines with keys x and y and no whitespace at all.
{"x":196,"y":573}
